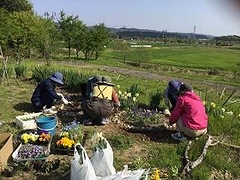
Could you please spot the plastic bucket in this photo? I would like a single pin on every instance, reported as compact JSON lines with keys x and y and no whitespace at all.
{"x":46,"y":124}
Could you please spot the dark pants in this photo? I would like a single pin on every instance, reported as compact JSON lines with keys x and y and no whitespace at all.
{"x":97,"y":108}
{"x":38,"y":105}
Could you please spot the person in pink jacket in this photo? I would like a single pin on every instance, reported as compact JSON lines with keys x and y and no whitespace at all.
{"x":189,"y":114}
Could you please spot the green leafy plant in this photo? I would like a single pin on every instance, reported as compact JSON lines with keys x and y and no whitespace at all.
{"x":40,"y":73}
{"x":74,"y":79}
{"x":155,"y":99}
{"x":20,"y":70}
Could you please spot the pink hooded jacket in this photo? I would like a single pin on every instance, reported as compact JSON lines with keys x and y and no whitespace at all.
{"x":191,"y":110}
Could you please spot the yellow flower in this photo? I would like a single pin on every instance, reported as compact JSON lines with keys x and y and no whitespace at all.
{"x":65,"y":142}
{"x":155,"y":175}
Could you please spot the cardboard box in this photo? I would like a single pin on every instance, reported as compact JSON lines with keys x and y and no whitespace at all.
{"x":27,"y":121}
{"x":6,"y":146}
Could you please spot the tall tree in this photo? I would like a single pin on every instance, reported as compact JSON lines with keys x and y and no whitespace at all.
{"x":48,"y":41}
{"x":100,"y":37}
{"x":5,"y":27}
{"x":24,"y":33}
{"x":88,"y":43}
{"x":16,"y":5}
{"x":78,"y":36}
{"x":67,"y":25}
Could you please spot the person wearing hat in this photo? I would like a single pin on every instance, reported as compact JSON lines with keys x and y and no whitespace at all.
{"x":189,"y":114}
{"x":90,"y":84}
{"x":102,"y":99}
{"x":45,"y":93}
{"x":170,"y":96}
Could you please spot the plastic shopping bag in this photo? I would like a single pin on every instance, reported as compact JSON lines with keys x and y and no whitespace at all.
{"x":126,"y":175}
{"x":102,"y":160}
{"x":81,"y":167}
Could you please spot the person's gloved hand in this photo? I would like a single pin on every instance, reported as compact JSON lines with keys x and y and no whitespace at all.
{"x":166,"y":112}
{"x":65,"y":101}
{"x":60,"y":94}
{"x":117,"y":105}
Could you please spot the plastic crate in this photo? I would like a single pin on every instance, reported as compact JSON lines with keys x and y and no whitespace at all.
{"x":27,"y":121}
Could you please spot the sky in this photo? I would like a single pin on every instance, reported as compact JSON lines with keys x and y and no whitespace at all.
{"x":210,"y":17}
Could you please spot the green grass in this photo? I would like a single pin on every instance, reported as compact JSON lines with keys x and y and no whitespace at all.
{"x":191,"y":57}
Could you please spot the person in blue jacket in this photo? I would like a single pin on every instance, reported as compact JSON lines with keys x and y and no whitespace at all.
{"x":45,"y":93}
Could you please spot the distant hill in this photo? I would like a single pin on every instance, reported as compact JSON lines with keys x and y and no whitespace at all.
{"x":146,"y":33}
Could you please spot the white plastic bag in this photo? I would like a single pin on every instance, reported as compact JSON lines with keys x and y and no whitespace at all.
{"x":102,"y":161}
{"x":81,"y":167}
{"x":125,"y":175}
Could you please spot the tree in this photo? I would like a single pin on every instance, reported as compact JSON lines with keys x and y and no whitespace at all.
{"x":48,"y":41}
{"x":78,"y":36}
{"x":16,"y":5}
{"x":68,"y":25}
{"x":25,"y":28}
{"x":100,"y":37}
{"x":5,"y":28}
{"x":88,"y":43}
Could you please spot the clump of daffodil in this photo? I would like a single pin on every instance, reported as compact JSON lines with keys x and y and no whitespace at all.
{"x":98,"y":141}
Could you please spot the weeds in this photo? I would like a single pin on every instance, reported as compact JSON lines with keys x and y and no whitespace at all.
{"x":21,"y":71}
{"x":120,"y":142}
{"x":155,"y":99}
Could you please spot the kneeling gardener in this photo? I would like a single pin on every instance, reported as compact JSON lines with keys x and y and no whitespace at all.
{"x":100,"y":102}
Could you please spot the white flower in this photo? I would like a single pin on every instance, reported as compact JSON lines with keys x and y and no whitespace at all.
{"x":223,"y":109}
{"x":222,"y":116}
{"x":118,"y":86}
{"x":213,"y":104}
{"x":137,"y":95}
{"x":129,"y":94}
{"x":134,"y":99}
{"x":119,"y":92}
{"x":230,"y":112}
